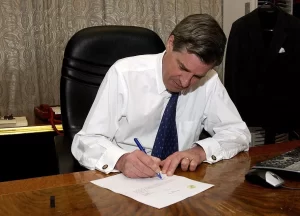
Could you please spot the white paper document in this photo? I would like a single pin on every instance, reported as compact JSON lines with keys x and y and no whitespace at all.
{"x":154,"y":192}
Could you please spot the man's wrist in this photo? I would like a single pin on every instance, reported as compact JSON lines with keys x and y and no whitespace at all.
{"x":200,"y":152}
{"x":120,"y":162}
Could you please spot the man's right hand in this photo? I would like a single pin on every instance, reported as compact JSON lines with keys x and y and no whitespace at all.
{"x":138,"y":165}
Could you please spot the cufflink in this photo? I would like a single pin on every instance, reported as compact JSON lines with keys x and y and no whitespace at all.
{"x":213,"y":157}
{"x":282,"y":50}
{"x":104,"y":166}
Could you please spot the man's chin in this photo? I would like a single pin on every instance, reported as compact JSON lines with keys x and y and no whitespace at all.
{"x":174,"y":90}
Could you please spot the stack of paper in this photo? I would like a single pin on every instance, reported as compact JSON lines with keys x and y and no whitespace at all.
{"x":16,"y":122}
{"x":8,"y":123}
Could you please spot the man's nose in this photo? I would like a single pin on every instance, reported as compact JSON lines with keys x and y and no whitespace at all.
{"x":186,"y":79}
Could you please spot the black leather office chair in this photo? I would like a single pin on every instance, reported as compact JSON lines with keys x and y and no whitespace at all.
{"x":88,"y":56}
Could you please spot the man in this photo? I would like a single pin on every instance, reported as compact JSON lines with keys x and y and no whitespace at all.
{"x":133,"y":97}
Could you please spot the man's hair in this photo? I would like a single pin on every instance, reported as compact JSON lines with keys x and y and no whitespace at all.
{"x":200,"y":34}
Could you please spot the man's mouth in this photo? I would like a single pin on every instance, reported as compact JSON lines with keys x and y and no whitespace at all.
{"x":177,"y":85}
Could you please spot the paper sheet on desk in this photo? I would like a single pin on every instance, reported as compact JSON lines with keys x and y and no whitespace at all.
{"x":154,"y":191}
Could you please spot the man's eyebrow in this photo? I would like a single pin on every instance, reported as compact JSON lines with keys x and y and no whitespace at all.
{"x":183,"y":66}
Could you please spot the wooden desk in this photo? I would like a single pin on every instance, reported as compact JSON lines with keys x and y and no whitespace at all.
{"x":231,"y":195}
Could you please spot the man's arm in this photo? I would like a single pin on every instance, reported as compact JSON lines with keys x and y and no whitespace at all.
{"x":230,"y":134}
{"x":93,"y":146}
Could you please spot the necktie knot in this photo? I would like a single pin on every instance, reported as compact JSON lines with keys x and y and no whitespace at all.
{"x":174,"y":97}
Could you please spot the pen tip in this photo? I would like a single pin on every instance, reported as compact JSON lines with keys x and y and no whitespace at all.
{"x":159,"y":175}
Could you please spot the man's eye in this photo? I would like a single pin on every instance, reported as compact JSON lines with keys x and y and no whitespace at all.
{"x":198,"y":77}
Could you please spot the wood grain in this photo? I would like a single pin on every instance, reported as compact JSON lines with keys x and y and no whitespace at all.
{"x":231,"y":194}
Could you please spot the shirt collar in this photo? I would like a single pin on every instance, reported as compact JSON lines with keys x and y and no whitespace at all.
{"x":159,"y":79}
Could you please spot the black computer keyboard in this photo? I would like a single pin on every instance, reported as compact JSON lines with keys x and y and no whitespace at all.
{"x":288,"y":161}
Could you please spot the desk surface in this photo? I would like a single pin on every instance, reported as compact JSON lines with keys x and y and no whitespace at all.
{"x":231,"y":195}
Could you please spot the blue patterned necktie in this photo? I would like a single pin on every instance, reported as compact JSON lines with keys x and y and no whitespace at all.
{"x":166,"y":141}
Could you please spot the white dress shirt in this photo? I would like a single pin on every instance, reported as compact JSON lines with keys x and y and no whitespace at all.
{"x":130,"y":103}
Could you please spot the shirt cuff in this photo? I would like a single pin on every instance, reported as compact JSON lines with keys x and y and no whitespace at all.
{"x":109,"y":159}
{"x":212,"y":150}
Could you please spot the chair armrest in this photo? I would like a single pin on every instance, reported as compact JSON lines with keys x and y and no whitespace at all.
{"x":65,"y":160}
{"x":64,"y":156}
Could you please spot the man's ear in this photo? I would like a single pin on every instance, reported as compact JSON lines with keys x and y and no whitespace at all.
{"x":170,"y":43}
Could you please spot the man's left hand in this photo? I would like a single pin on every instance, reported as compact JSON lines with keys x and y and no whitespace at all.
{"x":189,"y":160}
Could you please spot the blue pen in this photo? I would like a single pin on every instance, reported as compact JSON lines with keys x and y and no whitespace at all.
{"x":143,"y":150}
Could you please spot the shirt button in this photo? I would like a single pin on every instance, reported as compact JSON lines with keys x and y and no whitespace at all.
{"x":104,"y":166}
{"x":213,"y":157}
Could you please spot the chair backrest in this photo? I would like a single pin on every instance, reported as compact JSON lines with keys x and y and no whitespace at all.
{"x":88,"y":56}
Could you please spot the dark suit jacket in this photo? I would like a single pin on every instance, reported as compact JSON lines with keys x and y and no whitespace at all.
{"x":262,"y":73}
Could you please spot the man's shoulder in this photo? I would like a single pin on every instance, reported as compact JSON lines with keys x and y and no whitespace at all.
{"x":212,"y":73}
{"x":211,"y":76}
{"x":139,"y":62}
{"x":205,"y":86}
{"x":210,"y":80}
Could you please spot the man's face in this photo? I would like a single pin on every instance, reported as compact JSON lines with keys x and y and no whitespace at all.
{"x":181,"y":69}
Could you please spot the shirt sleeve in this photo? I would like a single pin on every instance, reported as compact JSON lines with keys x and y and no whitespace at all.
{"x":93,"y":146}
{"x":230,"y":134}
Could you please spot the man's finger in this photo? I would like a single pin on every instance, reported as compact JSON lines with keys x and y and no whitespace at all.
{"x":143,"y":171}
{"x":185,"y":163}
{"x":131,"y":171}
{"x":156,"y":159}
{"x":147,"y":165}
{"x":173,"y":165}
{"x":193,"y":165}
{"x":165,"y":165}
